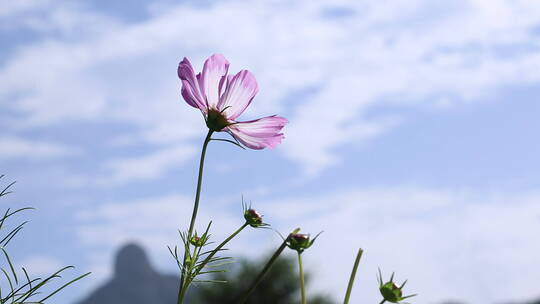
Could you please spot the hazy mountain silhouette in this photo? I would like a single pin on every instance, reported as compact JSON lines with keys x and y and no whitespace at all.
{"x":135,"y":282}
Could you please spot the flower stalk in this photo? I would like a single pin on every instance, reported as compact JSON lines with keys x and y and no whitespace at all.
{"x":263,"y":272}
{"x":302,"y":283}
{"x":181,"y":291}
{"x":199,"y":182}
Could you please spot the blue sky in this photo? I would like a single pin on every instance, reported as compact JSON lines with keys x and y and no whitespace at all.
{"x":412,"y":134}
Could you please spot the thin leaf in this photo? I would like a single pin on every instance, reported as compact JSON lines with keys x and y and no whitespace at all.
{"x":353,"y":275}
{"x":9,"y":280}
{"x":5,"y":191}
{"x":229,"y":141}
{"x":209,"y":281}
{"x":28,"y":277}
{"x":10,"y":265}
{"x":42,"y":283}
{"x":12,"y":234}
{"x":65,"y":285}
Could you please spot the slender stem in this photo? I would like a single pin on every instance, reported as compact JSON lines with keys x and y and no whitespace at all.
{"x":199,"y":183}
{"x":353,"y":275}
{"x":259,"y":278}
{"x":181,"y":292}
{"x":302,"y":284}
{"x":209,"y":257}
{"x":382,"y":301}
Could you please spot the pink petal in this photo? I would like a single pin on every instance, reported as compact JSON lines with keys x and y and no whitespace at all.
{"x":238,"y":94}
{"x":190,"y":86}
{"x":213,"y":75}
{"x":259,"y":133}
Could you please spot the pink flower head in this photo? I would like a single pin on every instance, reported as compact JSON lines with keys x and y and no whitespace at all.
{"x":222,"y":98}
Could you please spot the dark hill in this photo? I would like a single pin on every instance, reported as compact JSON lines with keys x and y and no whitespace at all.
{"x":135,"y":282}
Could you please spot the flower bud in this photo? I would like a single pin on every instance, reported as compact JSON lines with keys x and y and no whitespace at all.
{"x":390,"y":291}
{"x":300,"y":241}
{"x":254,"y":218}
{"x":198,"y":241}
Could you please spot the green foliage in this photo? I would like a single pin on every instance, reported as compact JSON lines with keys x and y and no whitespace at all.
{"x":198,"y":262}
{"x":21,"y":289}
{"x":279,"y":286}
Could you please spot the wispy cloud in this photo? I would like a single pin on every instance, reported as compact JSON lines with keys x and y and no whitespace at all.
{"x":68,"y":19}
{"x":398,"y":53}
{"x":154,"y":221}
{"x":145,"y":167}
{"x":17,"y":147}
{"x":41,"y":266}
{"x":13,"y":8}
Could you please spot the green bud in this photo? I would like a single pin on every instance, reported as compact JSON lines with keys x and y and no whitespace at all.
{"x":390,"y":291}
{"x":300,"y":241}
{"x":254,"y":218}
{"x":198,"y":241}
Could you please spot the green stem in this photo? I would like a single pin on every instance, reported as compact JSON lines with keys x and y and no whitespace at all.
{"x":199,"y":183}
{"x":382,"y":301}
{"x":181,"y":291}
{"x":259,"y":277}
{"x":353,"y":275}
{"x":182,"y":294}
{"x":209,"y":257}
{"x":302,"y":284}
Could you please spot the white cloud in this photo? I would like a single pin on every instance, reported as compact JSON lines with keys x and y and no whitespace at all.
{"x":68,"y":18}
{"x":399,"y":52}
{"x":154,"y":221}
{"x":150,"y":166}
{"x":41,"y":266}
{"x":16,"y":7}
{"x":15,"y":147}
{"x":148,"y":220}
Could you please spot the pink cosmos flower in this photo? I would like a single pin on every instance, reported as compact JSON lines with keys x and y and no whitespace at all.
{"x":222,"y":98}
